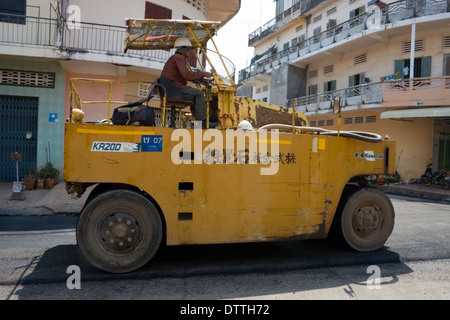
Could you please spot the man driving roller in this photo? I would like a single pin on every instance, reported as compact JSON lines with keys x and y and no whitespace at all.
{"x":176,"y":70}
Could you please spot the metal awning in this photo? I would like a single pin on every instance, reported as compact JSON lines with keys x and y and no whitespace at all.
{"x":417,"y":113}
{"x":151,"y":34}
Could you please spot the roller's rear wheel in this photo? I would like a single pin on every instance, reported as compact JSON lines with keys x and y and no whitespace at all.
{"x":119,"y":231}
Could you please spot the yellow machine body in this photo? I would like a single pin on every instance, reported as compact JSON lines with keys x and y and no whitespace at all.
{"x":202,"y":201}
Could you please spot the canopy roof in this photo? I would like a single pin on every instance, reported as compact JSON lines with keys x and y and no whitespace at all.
{"x":150,"y":34}
{"x":417,"y":113}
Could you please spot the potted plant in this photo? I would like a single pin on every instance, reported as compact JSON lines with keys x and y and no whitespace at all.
{"x":50,"y":174}
{"x":30,"y":179}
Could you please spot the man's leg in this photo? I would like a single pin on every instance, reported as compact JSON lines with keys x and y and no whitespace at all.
{"x":200,"y":103}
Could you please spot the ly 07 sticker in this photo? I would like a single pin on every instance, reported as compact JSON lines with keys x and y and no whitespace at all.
{"x":152,"y":143}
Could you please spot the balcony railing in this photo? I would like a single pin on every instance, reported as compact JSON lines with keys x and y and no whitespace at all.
{"x":88,"y":37}
{"x":28,"y":30}
{"x":352,"y":96}
{"x":280,"y":20}
{"x":429,"y":91}
{"x":58,"y":33}
{"x":393,"y":12}
{"x":102,"y":38}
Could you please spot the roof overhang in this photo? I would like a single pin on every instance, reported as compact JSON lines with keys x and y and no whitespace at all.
{"x":441,"y":112}
{"x":223,"y":11}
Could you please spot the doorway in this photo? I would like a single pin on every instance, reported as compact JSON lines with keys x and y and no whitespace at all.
{"x":19,"y":129}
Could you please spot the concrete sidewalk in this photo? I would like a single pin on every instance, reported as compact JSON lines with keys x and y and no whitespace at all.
{"x":40,"y":202}
{"x":57,"y":201}
{"x":428,"y":192}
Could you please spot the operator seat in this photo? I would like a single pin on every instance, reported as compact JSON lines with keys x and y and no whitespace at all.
{"x":174,"y":98}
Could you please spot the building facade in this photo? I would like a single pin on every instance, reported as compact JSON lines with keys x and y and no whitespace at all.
{"x":386,"y":64}
{"x":45,"y":43}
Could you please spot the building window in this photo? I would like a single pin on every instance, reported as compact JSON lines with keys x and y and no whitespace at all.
{"x":279,"y":7}
{"x":322,"y":123}
{"x":446,"y":42}
{"x":331,"y":23}
{"x":422,"y":68}
{"x":27,"y":78}
{"x":446,"y":72}
{"x":317,"y":30}
{"x":143,"y":89}
{"x":153,"y":11}
{"x":199,"y":5}
{"x":444,"y":152}
{"x":317,"y":18}
{"x":356,"y":79}
{"x":313,"y":74}
{"x":331,"y":11}
{"x":360,"y":119}
{"x":328,"y":69}
{"x":419,"y":46}
{"x":13,"y":11}
{"x":302,"y":38}
{"x":360,"y":59}
{"x":329,"y":86}
{"x":312,"y":89}
{"x":294,"y":42}
{"x":357,"y":12}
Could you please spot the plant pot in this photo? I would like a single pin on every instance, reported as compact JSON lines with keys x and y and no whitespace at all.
{"x":40,"y":184}
{"x":29,"y":184}
{"x":49,"y":183}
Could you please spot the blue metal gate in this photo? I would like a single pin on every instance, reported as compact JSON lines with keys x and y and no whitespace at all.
{"x":18,"y":127}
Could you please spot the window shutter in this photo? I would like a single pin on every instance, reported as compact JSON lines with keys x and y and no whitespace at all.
{"x":333,"y":85}
{"x":351,"y":81}
{"x":426,"y":67}
{"x":362,"y":78}
{"x":447,"y":65}
{"x":398,"y":67}
{"x":153,"y":11}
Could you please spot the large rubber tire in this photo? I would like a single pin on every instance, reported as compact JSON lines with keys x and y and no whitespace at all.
{"x":119,"y":231}
{"x":366,"y":219}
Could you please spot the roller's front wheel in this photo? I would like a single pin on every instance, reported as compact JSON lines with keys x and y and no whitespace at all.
{"x":367,"y":219}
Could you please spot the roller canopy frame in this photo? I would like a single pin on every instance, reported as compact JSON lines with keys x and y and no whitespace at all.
{"x":152,"y":34}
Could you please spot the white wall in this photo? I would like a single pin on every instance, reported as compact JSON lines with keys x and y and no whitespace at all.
{"x":114,"y":12}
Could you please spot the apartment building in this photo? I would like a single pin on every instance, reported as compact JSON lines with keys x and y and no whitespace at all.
{"x":45,"y":43}
{"x":386,"y":64}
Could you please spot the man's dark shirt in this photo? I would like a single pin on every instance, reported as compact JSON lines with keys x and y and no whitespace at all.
{"x":176,"y":70}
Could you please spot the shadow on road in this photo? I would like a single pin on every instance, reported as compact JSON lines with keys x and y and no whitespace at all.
{"x":34,"y":223}
{"x":222,"y":262}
